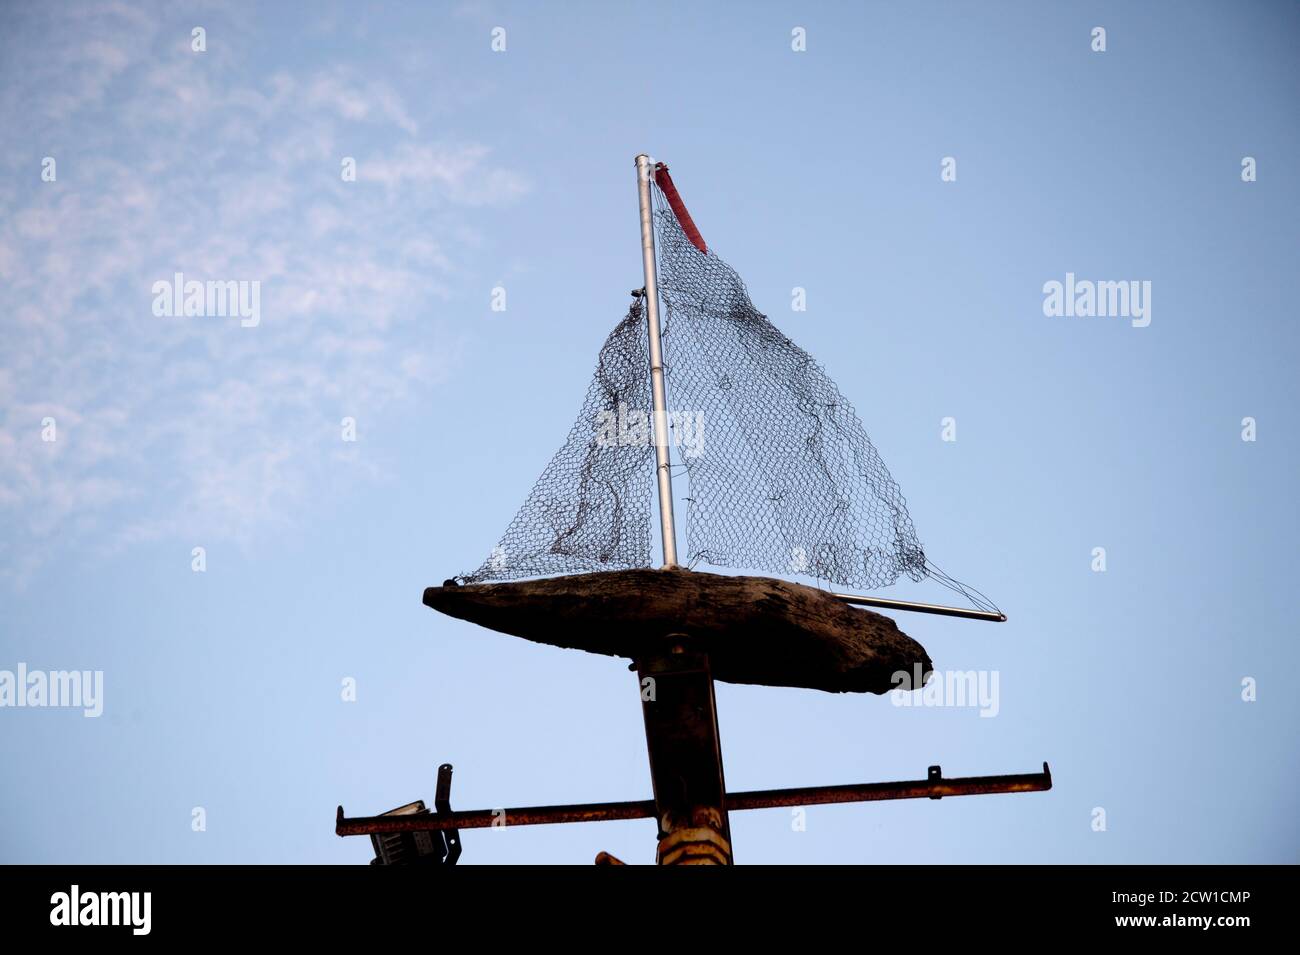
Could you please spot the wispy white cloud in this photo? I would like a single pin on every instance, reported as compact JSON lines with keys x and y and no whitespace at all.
{"x":169,"y":161}
{"x":357,"y":99}
{"x":459,"y":171}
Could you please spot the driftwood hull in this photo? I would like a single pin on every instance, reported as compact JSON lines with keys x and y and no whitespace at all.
{"x":756,"y":630}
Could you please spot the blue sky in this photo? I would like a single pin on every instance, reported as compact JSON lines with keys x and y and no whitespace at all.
{"x":478,"y":169}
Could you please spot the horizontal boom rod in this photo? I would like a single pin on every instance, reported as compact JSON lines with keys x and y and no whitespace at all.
{"x":888,"y":604}
{"x":934,"y":787}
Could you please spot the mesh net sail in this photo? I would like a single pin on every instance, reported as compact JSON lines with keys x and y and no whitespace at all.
{"x":590,"y":509}
{"x":782,"y":476}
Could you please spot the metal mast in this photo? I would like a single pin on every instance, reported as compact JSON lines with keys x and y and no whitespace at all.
{"x":644,"y":170}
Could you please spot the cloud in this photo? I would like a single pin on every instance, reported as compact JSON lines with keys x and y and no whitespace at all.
{"x":458,"y":171}
{"x":170,"y":161}
{"x":357,"y":99}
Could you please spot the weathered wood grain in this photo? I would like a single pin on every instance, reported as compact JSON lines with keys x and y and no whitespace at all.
{"x":755,"y":629}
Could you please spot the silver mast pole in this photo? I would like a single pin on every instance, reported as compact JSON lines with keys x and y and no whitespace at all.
{"x":662,"y":463}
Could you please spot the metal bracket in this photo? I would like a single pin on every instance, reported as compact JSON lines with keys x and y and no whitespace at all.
{"x":442,"y":805}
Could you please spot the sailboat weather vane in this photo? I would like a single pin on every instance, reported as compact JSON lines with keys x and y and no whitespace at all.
{"x":789,"y":483}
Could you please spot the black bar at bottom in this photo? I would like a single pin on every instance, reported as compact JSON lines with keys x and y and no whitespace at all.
{"x":995,"y":905}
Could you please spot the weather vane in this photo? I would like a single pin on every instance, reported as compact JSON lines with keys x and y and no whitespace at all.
{"x":785,"y":480}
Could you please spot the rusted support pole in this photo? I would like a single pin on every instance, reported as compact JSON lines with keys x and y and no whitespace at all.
{"x":486,"y":818}
{"x":681,"y":730}
{"x":934,"y":787}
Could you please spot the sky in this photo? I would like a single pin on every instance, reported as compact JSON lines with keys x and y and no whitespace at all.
{"x":298,"y":670}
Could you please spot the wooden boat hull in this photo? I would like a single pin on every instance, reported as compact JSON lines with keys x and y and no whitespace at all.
{"x":756,"y":630}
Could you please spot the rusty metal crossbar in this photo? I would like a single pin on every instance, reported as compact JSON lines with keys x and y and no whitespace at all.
{"x":935,"y":786}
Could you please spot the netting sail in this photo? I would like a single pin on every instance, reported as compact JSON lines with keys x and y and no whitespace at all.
{"x":590,"y":509}
{"x":782,"y":476}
